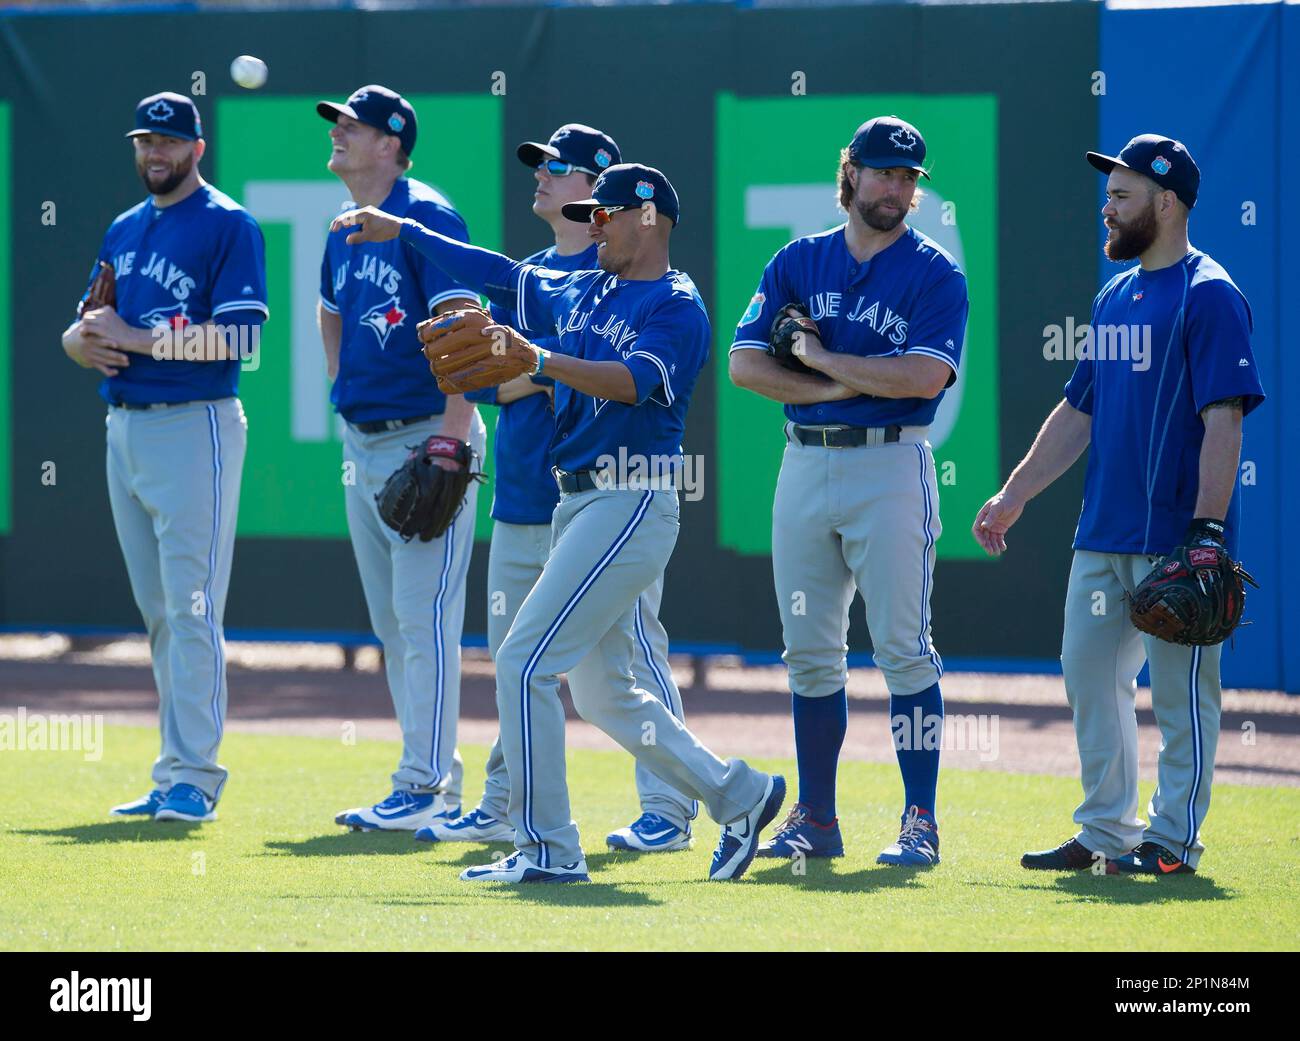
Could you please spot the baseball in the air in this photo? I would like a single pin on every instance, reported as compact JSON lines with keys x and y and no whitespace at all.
{"x":248,"y":72}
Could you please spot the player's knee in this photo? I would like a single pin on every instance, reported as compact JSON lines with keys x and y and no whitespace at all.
{"x":814,"y":676}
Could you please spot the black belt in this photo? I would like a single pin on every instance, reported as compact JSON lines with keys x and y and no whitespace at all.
{"x":142,"y":406}
{"x":582,"y":481}
{"x":378,"y":426}
{"x":845,"y":437}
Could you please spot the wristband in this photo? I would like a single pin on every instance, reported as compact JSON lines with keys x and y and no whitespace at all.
{"x":542,"y":355}
{"x":1206,"y":529}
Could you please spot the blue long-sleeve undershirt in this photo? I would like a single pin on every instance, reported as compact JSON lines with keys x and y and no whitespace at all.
{"x":492,"y":274}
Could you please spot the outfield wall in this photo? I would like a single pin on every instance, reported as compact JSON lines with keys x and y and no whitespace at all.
{"x":1008,"y":98}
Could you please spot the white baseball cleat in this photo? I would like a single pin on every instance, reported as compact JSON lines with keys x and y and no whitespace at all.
{"x":475,"y":826}
{"x":518,"y":868}
{"x":650,"y":833}
{"x":402,"y":811}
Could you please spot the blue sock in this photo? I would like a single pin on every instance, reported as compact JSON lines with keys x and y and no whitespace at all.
{"x":819,"y":726}
{"x":917,"y":740}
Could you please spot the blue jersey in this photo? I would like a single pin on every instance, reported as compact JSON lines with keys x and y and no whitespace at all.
{"x":525,"y":491}
{"x":910,"y":298}
{"x":658,"y":329}
{"x":201,"y":259}
{"x":1161,"y":346}
{"x":382,"y":291}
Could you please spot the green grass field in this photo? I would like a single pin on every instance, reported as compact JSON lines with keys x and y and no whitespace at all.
{"x":275,"y":873}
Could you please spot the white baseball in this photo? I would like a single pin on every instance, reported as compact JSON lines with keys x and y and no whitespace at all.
{"x":248,"y":72}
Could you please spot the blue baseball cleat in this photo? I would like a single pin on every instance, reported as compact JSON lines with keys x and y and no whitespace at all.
{"x":650,"y":833}
{"x":518,"y":868}
{"x":800,"y":835}
{"x":1149,"y":858}
{"x":403,"y":811}
{"x":475,"y":826}
{"x":145,"y":806}
{"x":186,"y":803}
{"x":739,"y":839}
{"x":918,"y":841}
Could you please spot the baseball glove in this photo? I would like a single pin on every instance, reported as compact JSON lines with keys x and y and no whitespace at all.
{"x":420,"y":497}
{"x":103,"y":290}
{"x":464,"y":357}
{"x":1194,"y":595}
{"x":792,"y":323}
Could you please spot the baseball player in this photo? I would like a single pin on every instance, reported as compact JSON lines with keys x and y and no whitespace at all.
{"x":371,"y":301}
{"x":632,"y":339}
{"x":189,"y":274}
{"x":857,"y":505}
{"x":565,"y":168}
{"x":1165,"y":428}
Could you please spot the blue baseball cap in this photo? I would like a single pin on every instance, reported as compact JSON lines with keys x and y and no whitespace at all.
{"x":887,"y":142}
{"x":628,"y":184}
{"x":174,"y":115}
{"x":1164,"y":160}
{"x":585,"y":147}
{"x":378,"y":107}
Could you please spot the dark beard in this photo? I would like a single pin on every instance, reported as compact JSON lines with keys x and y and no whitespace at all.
{"x":171,"y":182}
{"x":873,"y":218}
{"x":1132,"y":239}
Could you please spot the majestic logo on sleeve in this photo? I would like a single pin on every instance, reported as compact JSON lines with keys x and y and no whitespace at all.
{"x":383,"y":319}
{"x":754,"y":309}
{"x":160,"y":112}
{"x":904,"y":139}
{"x":174,"y":317}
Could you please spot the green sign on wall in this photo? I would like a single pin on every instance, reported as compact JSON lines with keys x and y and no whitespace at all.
{"x":273,"y":152}
{"x":6,"y":327}
{"x":769,"y":192}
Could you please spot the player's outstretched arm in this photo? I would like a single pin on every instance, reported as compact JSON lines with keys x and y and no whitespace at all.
{"x":760,"y":372}
{"x":482,"y":270}
{"x":1059,"y":444}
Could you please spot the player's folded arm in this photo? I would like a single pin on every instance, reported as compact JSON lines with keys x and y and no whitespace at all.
{"x":938,"y":329}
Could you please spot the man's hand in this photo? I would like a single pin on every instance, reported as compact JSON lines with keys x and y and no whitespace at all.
{"x":91,"y":352}
{"x":994,"y":520}
{"x":105,"y":324}
{"x":372,"y":224}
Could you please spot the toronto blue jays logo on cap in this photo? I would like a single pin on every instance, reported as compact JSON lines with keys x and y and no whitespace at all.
{"x":602,"y":158}
{"x":1160,"y":165}
{"x":903,"y":138}
{"x":172,"y":115}
{"x":384,"y":318}
{"x":645,"y":190}
{"x":395,"y":122}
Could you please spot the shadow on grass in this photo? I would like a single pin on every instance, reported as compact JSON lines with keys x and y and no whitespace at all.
{"x":1127,"y":889}
{"x":118,"y":831}
{"x":821,"y":874}
{"x":346,"y":844}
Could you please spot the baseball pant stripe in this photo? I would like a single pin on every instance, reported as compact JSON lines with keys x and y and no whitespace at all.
{"x":664,"y":695}
{"x":440,"y":650}
{"x":531,"y":665}
{"x":218,"y":655}
{"x":922,"y":642}
{"x":1194,"y":694}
